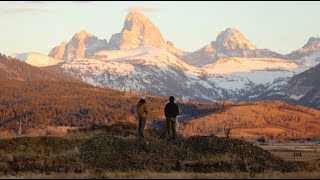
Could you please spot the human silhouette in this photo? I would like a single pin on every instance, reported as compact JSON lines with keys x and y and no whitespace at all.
{"x":171,"y":111}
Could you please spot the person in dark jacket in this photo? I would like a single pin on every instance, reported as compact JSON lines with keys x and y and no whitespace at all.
{"x":142,"y":113}
{"x":171,"y":111}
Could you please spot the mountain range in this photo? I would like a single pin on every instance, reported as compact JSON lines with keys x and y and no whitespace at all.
{"x":139,"y":59}
{"x":42,"y":97}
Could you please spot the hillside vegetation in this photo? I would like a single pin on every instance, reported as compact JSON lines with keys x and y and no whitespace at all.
{"x":73,"y":104}
{"x":273,"y":119}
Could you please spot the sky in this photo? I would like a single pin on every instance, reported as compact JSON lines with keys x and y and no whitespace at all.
{"x":38,"y":26}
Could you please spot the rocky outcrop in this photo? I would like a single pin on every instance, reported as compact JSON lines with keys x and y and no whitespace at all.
{"x":82,"y":45}
{"x":137,"y":30}
{"x":58,"y":51}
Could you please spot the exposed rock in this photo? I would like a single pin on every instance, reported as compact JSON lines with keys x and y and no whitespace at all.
{"x":58,"y":51}
{"x":138,"y":30}
{"x":82,"y":45}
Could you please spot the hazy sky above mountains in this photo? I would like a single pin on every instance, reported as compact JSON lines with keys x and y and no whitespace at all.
{"x":38,"y":26}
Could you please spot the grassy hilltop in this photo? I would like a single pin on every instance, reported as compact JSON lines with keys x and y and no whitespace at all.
{"x":116,"y":148}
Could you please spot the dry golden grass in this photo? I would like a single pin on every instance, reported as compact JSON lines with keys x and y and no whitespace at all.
{"x":174,"y":175}
{"x":286,"y":151}
{"x":115,"y":148}
{"x":58,"y":131}
{"x":94,"y":154}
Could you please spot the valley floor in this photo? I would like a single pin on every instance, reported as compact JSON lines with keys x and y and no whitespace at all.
{"x":290,"y":151}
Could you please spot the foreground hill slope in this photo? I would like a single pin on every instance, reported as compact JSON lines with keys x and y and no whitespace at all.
{"x":117,"y":148}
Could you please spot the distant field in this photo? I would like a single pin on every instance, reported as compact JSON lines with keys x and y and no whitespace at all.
{"x":287,"y":150}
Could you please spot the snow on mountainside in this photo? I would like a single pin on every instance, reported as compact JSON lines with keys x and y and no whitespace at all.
{"x":236,"y":74}
{"x":36,"y":59}
{"x":144,"y":69}
{"x":310,"y":60}
{"x":234,"y":64}
{"x":303,"y":88}
{"x":149,"y":54}
{"x":248,"y":77}
{"x":147,"y":69}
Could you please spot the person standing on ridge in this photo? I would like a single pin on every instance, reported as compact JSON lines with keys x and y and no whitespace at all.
{"x":142,"y":113}
{"x":171,"y":111}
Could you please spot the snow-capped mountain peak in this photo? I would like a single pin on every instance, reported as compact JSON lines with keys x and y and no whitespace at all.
{"x":139,"y":59}
{"x":233,"y":39}
{"x":229,"y":43}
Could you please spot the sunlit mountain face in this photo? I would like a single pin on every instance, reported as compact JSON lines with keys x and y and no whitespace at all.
{"x":139,"y":59}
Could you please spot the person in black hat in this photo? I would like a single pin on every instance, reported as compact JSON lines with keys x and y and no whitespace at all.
{"x":171,"y":111}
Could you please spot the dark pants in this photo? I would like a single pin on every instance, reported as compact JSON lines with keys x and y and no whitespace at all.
{"x":142,"y":123}
{"x":171,"y":127}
